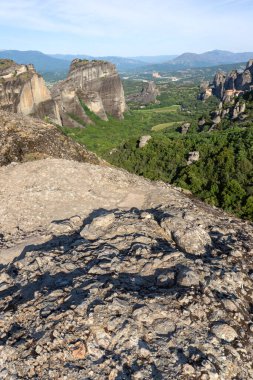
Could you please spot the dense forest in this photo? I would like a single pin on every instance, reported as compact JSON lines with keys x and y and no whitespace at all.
{"x":222,"y":177}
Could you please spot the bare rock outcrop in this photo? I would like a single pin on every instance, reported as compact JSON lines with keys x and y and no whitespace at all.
{"x":24,"y":91}
{"x":144,"y":141}
{"x":227,"y":86}
{"x":184,"y":128}
{"x":148,"y":94}
{"x":235,"y":111}
{"x":106,"y":275}
{"x":94,"y":83}
{"x":193,"y":157}
{"x":205,"y":91}
{"x":23,"y":138}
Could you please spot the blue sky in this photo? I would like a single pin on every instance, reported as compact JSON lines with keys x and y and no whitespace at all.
{"x":126,"y":27}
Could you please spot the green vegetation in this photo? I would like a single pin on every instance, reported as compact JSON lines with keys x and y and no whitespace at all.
{"x":170,"y":109}
{"x":222,"y":177}
{"x":5,"y":64}
{"x":103,"y":136}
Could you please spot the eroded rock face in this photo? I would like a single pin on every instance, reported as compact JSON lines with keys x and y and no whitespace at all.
{"x":95,"y":83}
{"x":193,"y":157}
{"x":184,"y":128}
{"x":148,"y":94}
{"x":24,"y":91}
{"x":205,"y":91}
{"x":235,"y":111}
{"x":144,"y":141}
{"x":227,"y":86}
{"x":97,"y":284}
{"x":218,"y":83}
{"x":24,"y":138}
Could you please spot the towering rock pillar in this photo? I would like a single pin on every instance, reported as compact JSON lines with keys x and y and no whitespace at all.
{"x":23,"y":91}
{"x":95,"y":83}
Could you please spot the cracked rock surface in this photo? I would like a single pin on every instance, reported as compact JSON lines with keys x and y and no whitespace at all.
{"x":108,"y":276}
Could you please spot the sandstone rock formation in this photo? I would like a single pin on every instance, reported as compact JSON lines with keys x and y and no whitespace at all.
{"x":24,"y":91}
{"x":201,"y":123}
{"x":227,"y":86}
{"x":106,"y":275}
{"x":96,"y":84}
{"x":144,"y":141}
{"x":184,"y":128}
{"x":148,"y":94}
{"x":24,"y":138}
{"x":205,"y":91}
{"x":193,"y":157}
{"x":215,"y":117}
{"x":236,"y":111}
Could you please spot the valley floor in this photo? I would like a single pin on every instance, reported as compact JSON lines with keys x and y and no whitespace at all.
{"x":223,"y":176}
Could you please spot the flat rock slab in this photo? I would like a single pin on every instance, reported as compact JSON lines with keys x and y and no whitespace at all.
{"x":36,"y":193}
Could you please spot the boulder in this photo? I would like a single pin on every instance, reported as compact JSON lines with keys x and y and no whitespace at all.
{"x":225,"y":332}
{"x":193,"y":157}
{"x":193,"y":240}
{"x":202,"y":122}
{"x":144,"y":141}
{"x":215,"y":116}
{"x":185,"y":128}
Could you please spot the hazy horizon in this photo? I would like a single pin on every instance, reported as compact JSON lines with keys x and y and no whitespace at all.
{"x":130,"y":29}
{"x":121,"y":56}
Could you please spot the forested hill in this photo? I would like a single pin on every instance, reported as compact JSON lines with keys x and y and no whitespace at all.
{"x":223,"y":175}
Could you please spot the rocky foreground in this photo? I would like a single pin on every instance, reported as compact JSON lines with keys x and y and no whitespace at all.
{"x":105,"y":275}
{"x":23,"y":138}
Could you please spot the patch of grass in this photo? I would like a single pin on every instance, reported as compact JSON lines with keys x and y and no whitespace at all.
{"x":170,"y":109}
{"x":160,"y":127}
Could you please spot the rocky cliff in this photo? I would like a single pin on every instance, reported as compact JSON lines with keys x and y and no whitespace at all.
{"x":227,"y":86}
{"x":95,"y":83}
{"x":105,"y":275}
{"x":26,"y":138}
{"x":148,"y":94}
{"x":24,"y":91}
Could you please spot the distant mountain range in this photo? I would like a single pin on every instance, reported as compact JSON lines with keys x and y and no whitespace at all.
{"x":42,"y":62}
{"x":59,"y":63}
{"x":155,"y":59}
{"x":193,"y":60}
{"x":211,"y":58}
{"x":122,"y":63}
{"x":136,"y":61}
